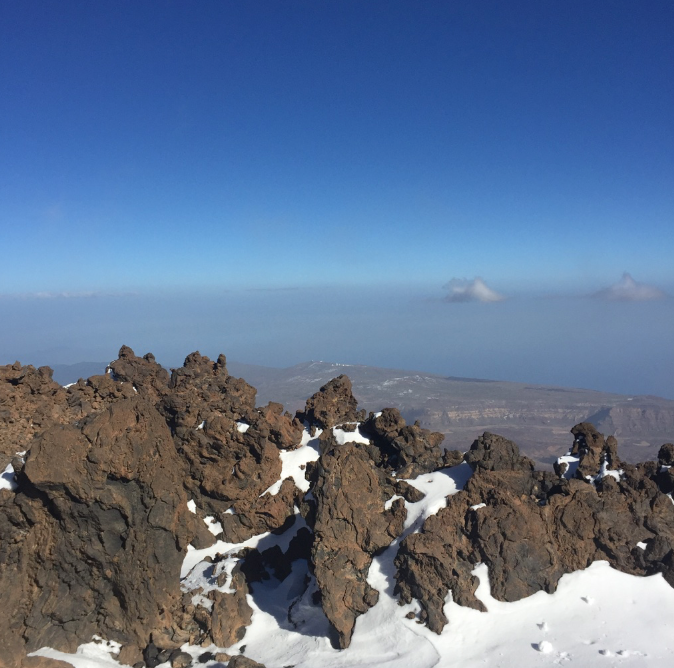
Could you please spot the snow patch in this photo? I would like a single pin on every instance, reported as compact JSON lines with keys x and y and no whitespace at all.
{"x":389,"y":503}
{"x":213,"y":525}
{"x":95,"y":654}
{"x":437,"y":486}
{"x":293,"y":462}
{"x":7,"y":480}
{"x":604,"y":471}
{"x":544,"y":647}
{"x":572,"y":464}
{"x":342,"y":436}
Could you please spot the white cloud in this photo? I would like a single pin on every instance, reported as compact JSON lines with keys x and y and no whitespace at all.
{"x":628,"y":290}
{"x":463,"y":290}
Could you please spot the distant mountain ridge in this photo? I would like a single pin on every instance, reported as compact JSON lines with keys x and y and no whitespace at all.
{"x":537,"y":417}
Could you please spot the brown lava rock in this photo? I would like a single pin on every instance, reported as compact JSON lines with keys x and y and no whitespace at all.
{"x":351,"y":526}
{"x":332,"y":405}
{"x":94,"y":538}
{"x":30,"y":401}
{"x":408,"y":449}
{"x":96,"y":533}
{"x":535,"y":527}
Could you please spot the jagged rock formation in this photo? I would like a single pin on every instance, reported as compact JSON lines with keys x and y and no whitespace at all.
{"x":101,"y":506}
{"x":409,"y":450}
{"x":118,"y":474}
{"x":94,"y":539}
{"x":333,"y":404}
{"x":530,"y":527}
{"x":29,"y":402}
{"x":351,"y":525}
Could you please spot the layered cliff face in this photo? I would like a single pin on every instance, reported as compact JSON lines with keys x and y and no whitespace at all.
{"x":146,"y":508}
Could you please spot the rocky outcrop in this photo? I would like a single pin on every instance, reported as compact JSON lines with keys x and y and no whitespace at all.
{"x":241,"y":661}
{"x":491,"y":452}
{"x":332,"y":405}
{"x":119,"y":473}
{"x":351,"y":525}
{"x":407,"y":449}
{"x":268,"y":512}
{"x":144,"y":374}
{"x":231,"y":611}
{"x":593,"y":450}
{"x":30,"y":401}
{"x":531,"y":527}
{"x":231,"y":448}
{"x":94,"y":538}
{"x":95,"y":535}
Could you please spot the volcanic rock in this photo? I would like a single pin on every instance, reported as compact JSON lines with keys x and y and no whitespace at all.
{"x":43,"y":662}
{"x":231,"y":612}
{"x":351,"y":525}
{"x":241,"y":661}
{"x":94,"y":538}
{"x":593,"y":450}
{"x":491,"y":452}
{"x":269,"y":512}
{"x":96,"y":531}
{"x":30,"y":401}
{"x":144,"y":374}
{"x":281,"y":428}
{"x":666,"y":455}
{"x":530,"y":527}
{"x":408,"y":449}
{"x":231,"y":449}
{"x":332,"y":405}
{"x":180,"y":659}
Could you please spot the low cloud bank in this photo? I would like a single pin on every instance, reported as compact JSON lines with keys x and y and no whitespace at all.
{"x":462,"y":290}
{"x":628,"y":290}
{"x":43,"y":295}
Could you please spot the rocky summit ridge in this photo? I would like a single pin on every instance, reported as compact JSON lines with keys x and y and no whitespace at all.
{"x":112,"y":485}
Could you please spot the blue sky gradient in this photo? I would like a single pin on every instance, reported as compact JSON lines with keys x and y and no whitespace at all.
{"x":167,"y":153}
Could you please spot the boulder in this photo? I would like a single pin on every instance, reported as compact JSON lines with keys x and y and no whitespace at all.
{"x":409,"y":450}
{"x":332,"y":405}
{"x":94,"y":538}
{"x":351,"y":525}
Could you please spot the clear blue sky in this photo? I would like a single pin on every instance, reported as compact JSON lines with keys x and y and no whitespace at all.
{"x":155,"y":147}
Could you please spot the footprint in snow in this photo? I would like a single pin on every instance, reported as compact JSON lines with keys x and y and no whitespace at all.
{"x":544,"y":647}
{"x":587,"y":599}
{"x":543,"y":626}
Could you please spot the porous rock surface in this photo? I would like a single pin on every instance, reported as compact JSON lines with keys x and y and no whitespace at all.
{"x":93,"y":538}
{"x":29,"y":401}
{"x":531,"y":527}
{"x":351,"y":524}
{"x":332,"y":405}
{"x":410,"y":450}
{"x":93,"y":541}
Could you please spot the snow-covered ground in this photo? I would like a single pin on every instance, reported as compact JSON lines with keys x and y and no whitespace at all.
{"x":598,"y":616}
